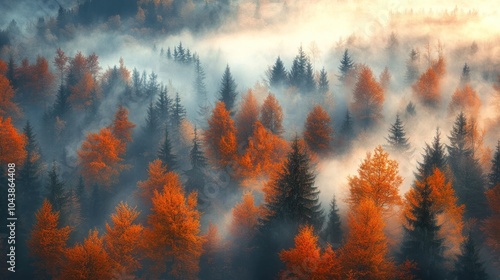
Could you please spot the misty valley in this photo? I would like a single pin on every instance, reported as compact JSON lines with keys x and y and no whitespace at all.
{"x":249,"y":139}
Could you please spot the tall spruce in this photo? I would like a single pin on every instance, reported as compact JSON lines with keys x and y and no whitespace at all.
{"x":412,"y":71}
{"x":346,"y":65}
{"x":323,"y":84}
{"x":165,"y":154}
{"x":468,"y":265}
{"x":494,"y":175}
{"x":468,"y":178}
{"x":227,"y":91}
{"x":55,"y":189}
{"x":200,"y":90}
{"x":196,"y":176}
{"x":333,"y":231}
{"x":162,"y":106}
{"x":434,"y":157}
{"x":301,"y":74}
{"x":398,"y":142}
{"x":152,"y":121}
{"x":421,"y":241}
{"x":178,"y":114}
{"x":278,"y":75}
{"x":62,"y":106}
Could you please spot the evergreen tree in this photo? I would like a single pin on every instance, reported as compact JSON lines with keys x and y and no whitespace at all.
{"x":468,"y":266}
{"x":165,"y":153}
{"x":421,"y":242}
{"x":278,"y":75}
{"x":201,"y":92}
{"x":309,"y":82}
{"x":494,"y":176}
{"x":81,"y":196}
{"x":465,"y":77}
{"x":152,"y":121}
{"x":347,"y":129}
{"x":410,"y":110}
{"x":62,"y":106}
{"x":468,"y":178}
{"x":162,"y":106}
{"x":137,"y":83}
{"x":323,"y":84}
{"x":55,"y":190}
{"x":301,"y":73}
{"x":195,"y":175}
{"x":397,"y":137}
{"x":227,"y":91}
{"x":152,"y":86}
{"x":178,"y":114}
{"x":434,"y":157}
{"x":346,"y":65}
{"x":295,"y":202}
{"x":169,"y":54}
{"x":412,"y":71}
{"x":333,"y":231}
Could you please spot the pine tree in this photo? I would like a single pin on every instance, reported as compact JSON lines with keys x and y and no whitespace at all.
{"x":169,"y":54}
{"x":333,"y":231}
{"x":347,"y":129}
{"x":165,"y":153}
{"x":323,"y":84}
{"x":62,"y":106}
{"x":200,"y":89}
{"x":162,"y":106}
{"x":56,"y":194}
{"x":178,"y":113}
{"x":468,"y":265}
{"x":152,"y":87}
{"x":152,"y":122}
{"x":196,"y":176}
{"x":465,"y":77}
{"x":309,"y":81}
{"x":412,"y":71}
{"x":301,"y":75}
{"x":227,"y":91}
{"x":346,"y":65}
{"x":434,"y":157}
{"x":421,"y":242}
{"x":410,"y":110}
{"x":494,"y":175}
{"x":397,"y":137}
{"x":278,"y":75}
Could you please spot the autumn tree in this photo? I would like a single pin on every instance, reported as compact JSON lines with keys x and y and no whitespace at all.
{"x":245,"y":215}
{"x":80,"y":80}
{"x":61,"y":61}
{"x":491,"y":225}
{"x":12,"y":143}
{"x":123,"y":239}
{"x":365,"y":253}
{"x":494,"y":175}
{"x":173,"y":236}
{"x":378,"y":179}
{"x":333,"y":231}
{"x":368,"y":98}
{"x":35,"y":81}
{"x":100,"y":158}
{"x":220,"y":137}
{"x":246,"y":117}
{"x":465,"y":100}
{"x":468,"y":264}
{"x":122,"y":127}
{"x":318,"y":131}
{"x":278,"y":74}
{"x":158,"y":177}
{"x":48,"y":241}
{"x":88,"y":260}
{"x":7,"y":106}
{"x":271,"y":115}
{"x":211,"y":262}
{"x":227,"y":91}
{"x":427,"y":88}
{"x":306,"y":261}
{"x":398,"y":142}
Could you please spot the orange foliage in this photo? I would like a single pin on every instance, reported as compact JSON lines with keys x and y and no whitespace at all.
{"x":212,"y":240}
{"x":3,"y":67}
{"x":47,"y":242}
{"x":245,"y":218}
{"x":122,"y":127}
{"x":100,"y":158}
{"x":124,"y":72}
{"x":271,"y":115}
{"x":81,"y":93}
{"x":158,"y":178}
{"x":318,"y":130}
{"x":364,"y":255}
{"x":123,"y":239}
{"x":491,"y":225}
{"x":60,"y":62}
{"x":35,"y":81}
{"x":220,"y":137}
{"x":305,"y":260}
{"x":426,"y":88}
{"x":88,"y":261}
{"x":265,"y":153}
{"x":450,"y":214}
{"x":7,"y":106}
{"x":465,"y":100}
{"x":439,"y":66}
{"x":173,"y":237}
{"x":12,"y":143}
{"x":378,"y":180}
{"x":246,"y":117}
{"x":368,"y":97}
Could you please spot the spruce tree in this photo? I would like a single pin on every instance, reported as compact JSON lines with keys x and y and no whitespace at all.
{"x":278,"y":75}
{"x":165,"y":153}
{"x":468,"y":266}
{"x":178,"y":113}
{"x":55,"y":190}
{"x":346,"y":65}
{"x":468,"y":178}
{"x":410,"y":110}
{"x":412,"y":71}
{"x":434,"y":157}
{"x":227,"y":91}
{"x":309,"y":82}
{"x":333,"y":231}
{"x":421,"y":242}
{"x":494,"y":176}
{"x":152,"y":121}
{"x":465,"y":77}
{"x":162,"y":106}
{"x":152,"y":86}
{"x":323,"y":84}
{"x":62,"y":106}
{"x":201,"y":92}
{"x":196,"y":178}
{"x":397,"y":138}
{"x":169,"y":54}
{"x":301,"y":72}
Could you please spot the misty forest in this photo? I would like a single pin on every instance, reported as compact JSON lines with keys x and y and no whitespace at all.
{"x":250,"y":139}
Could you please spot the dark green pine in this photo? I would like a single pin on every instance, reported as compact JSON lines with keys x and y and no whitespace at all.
{"x":333,"y":231}
{"x":468,"y":266}
{"x":434,"y":157}
{"x":397,"y":137}
{"x":346,"y":65}
{"x":278,"y":74}
{"x":165,"y":153}
{"x":227,"y":91}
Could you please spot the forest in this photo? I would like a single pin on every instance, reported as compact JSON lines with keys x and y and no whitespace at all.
{"x":249,"y":139}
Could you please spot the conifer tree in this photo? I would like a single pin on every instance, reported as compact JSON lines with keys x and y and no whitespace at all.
{"x":278,"y":75}
{"x":368,"y":98}
{"x":465,"y":77}
{"x":494,"y":175}
{"x":347,"y":129}
{"x":421,"y":242}
{"x":56,"y":194}
{"x":178,"y":113}
{"x":62,"y":106}
{"x":412,"y":71}
{"x":309,"y":81}
{"x":227,"y":91}
{"x":162,"y":106}
{"x":346,"y":65}
{"x":200,"y":89}
{"x":195,"y":175}
{"x":397,"y":137}
{"x":333,"y":231}
{"x":468,"y":265}
{"x":165,"y":153}
{"x":434,"y":157}
{"x":323,"y":84}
